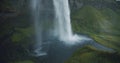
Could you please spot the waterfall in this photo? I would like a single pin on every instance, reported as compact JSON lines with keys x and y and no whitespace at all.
{"x":63,"y":29}
{"x":63,"y":25}
{"x":35,"y":6}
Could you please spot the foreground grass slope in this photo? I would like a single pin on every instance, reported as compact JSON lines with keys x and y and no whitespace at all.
{"x":88,"y":55}
{"x":103,"y":26}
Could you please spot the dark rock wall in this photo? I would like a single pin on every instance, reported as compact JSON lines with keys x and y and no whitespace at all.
{"x":76,"y":4}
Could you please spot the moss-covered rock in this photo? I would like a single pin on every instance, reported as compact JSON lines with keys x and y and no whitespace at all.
{"x":101,"y":24}
{"x":22,"y":33}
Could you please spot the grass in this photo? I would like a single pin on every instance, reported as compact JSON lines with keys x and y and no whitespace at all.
{"x":103,"y":26}
{"x":88,"y":55}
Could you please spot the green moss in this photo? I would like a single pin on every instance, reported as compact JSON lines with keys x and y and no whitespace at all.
{"x":101,"y":24}
{"x":17,"y":37}
{"x":21,"y":34}
{"x":87,"y":18}
{"x":88,"y":55}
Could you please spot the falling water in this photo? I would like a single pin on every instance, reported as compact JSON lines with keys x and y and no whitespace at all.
{"x":63,"y":29}
{"x":35,"y":10}
{"x":63,"y":25}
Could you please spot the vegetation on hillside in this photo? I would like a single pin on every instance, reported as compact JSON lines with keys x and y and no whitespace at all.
{"x":101,"y":24}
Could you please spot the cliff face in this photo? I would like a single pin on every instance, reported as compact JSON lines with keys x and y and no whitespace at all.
{"x":76,"y":4}
{"x":100,"y":20}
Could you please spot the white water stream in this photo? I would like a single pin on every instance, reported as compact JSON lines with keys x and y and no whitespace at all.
{"x":63,"y":28}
